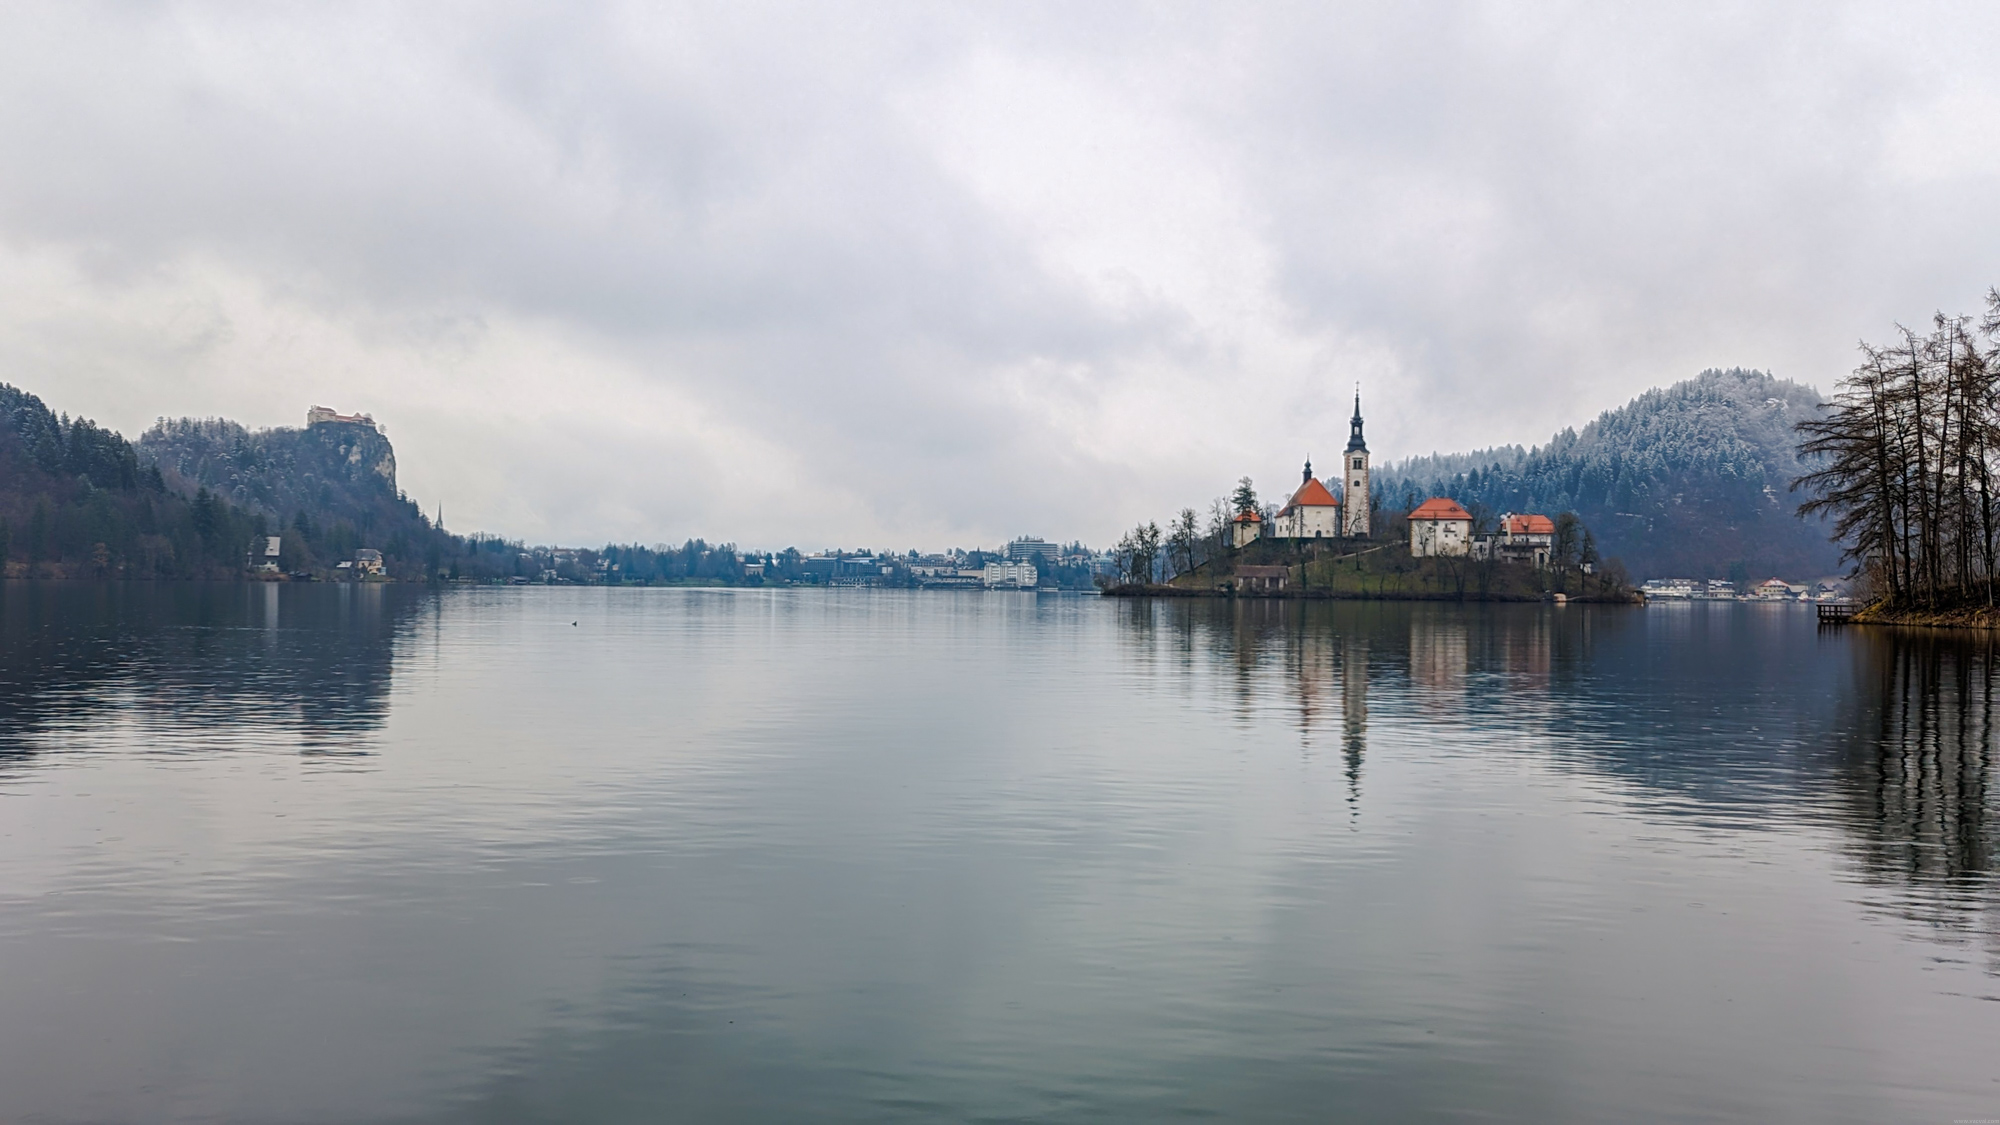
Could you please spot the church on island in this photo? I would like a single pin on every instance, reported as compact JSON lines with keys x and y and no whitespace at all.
{"x":1438,"y":528}
{"x":1314,"y":511}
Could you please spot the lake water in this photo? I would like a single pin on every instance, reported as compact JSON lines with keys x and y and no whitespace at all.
{"x":338,"y":854}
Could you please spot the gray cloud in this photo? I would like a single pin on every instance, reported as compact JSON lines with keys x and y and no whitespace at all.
{"x":907,"y":275}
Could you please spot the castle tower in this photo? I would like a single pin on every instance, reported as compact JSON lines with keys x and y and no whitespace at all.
{"x":1354,"y":470}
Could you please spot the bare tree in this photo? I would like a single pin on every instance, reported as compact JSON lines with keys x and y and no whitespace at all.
{"x":1565,"y":545}
{"x":1145,"y":551}
{"x":1905,"y":462}
{"x":1183,"y":537}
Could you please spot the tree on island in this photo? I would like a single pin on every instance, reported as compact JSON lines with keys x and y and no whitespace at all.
{"x":1245,"y":496}
{"x":1564,"y":544}
{"x":1137,"y":552}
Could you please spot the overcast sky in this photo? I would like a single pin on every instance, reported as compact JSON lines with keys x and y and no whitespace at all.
{"x":923,"y":275}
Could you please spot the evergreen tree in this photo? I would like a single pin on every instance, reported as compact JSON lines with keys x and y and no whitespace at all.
{"x":1244,"y":499}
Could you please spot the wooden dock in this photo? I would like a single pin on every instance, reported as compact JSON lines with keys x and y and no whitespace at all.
{"x":1836,"y":613}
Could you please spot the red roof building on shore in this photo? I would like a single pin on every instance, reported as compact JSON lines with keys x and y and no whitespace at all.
{"x":1439,"y":508}
{"x":1439,"y":528}
{"x":1522,"y":538}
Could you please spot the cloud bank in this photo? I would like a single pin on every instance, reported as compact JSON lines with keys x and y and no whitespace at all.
{"x":923,"y":275}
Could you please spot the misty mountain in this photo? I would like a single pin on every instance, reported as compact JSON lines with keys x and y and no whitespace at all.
{"x":1687,"y":480}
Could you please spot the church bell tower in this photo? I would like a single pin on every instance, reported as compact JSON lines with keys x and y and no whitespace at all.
{"x":1354,"y":471}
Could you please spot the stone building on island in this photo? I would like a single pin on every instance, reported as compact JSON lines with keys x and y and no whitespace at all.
{"x":1311,"y":513}
{"x":1439,"y":528}
{"x":1521,"y":538}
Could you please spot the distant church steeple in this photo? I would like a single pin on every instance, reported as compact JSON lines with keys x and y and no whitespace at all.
{"x":1309,"y":471}
{"x":1354,"y":471}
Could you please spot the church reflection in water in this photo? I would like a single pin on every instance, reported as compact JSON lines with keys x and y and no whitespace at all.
{"x":1315,"y":662}
{"x":1725,"y":715}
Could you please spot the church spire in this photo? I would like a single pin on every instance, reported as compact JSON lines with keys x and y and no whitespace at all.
{"x":1309,"y":470}
{"x":1355,"y":442}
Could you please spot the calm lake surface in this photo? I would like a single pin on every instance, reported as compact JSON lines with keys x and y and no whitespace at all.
{"x":336,"y":854}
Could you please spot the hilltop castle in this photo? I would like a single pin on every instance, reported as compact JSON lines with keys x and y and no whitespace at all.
{"x":322,"y":415}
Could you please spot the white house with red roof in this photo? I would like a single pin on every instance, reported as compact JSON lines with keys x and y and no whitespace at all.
{"x":1246,"y":528}
{"x":1311,"y":513}
{"x":1440,"y":528}
{"x":1521,"y":538}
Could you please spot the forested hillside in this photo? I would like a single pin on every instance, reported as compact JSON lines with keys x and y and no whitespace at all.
{"x":1690,"y":480}
{"x":77,"y":500}
{"x":327,"y":489}
{"x":193,"y":495}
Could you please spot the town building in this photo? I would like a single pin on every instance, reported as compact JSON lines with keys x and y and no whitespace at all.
{"x":942,"y":575}
{"x":1311,"y":513}
{"x":1777,"y":589}
{"x":1026,"y":548}
{"x":264,"y":553}
{"x":1354,"y":467}
{"x":367,"y":560}
{"x":324,"y":415}
{"x":1439,"y":528}
{"x":1011,"y":576}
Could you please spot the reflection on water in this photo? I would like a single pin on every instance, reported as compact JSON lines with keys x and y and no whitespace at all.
{"x":1919,"y":741}
{"x":336,"y":854}
{"x":1889,"y":733}
{"x":314,"y":661}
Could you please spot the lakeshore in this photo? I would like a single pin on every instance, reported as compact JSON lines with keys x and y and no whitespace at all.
{"x":1981,"y":617}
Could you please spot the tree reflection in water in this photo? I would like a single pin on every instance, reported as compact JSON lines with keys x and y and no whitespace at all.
{"x":216,"y":658}
{"x":1916,"y":766}
{"x":1739,"y":717}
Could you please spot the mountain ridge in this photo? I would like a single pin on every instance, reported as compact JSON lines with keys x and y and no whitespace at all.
{"x":1690,"y":479}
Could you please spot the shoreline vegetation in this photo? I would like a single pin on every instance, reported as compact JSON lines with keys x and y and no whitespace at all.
{"x":1906,"y":458}
{"x":1929,"y":617}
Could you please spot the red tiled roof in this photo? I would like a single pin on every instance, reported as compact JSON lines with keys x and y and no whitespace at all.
{"x":1247,"y":517}
{"x":1311,"y":494}
{"x":1439,"y":508}
{"x":1528,"y":525}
